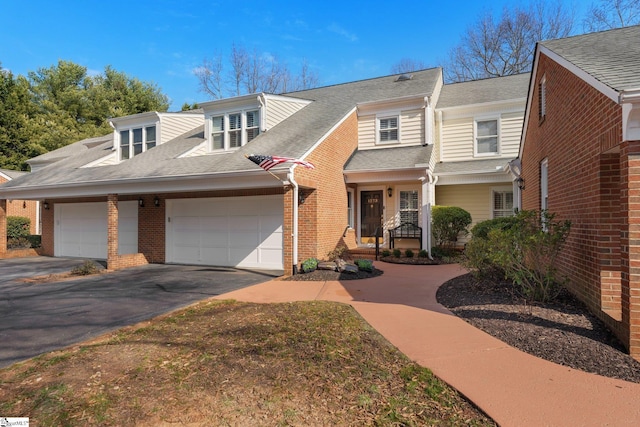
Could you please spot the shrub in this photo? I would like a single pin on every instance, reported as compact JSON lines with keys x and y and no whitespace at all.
{"x":309,"y":265}
{"x":447,"y":223}
{"x":35,"y":240}
{"x":18,"y":227}
{"x":18,"y":243}
{"x":525,"y":252}
{"x":85,"y":269}
{"x":386,"y":253}
{"x":423,"y":253}
{"x":482,"y":229}
{"x":408,"y":253}
{"x":364,"y":264}
{"x":397,"y":253}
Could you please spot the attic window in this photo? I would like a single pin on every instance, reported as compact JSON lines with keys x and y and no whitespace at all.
{"x":136,"y":140}
{"x":404,"y":77}
{"x":542,"y":94}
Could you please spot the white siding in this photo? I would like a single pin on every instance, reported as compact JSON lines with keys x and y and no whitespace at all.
{"x":411,"y":129}
{"x":279,"y":109}
{"x":511,"y":130}
{"x":457,"y":140}
{"x":175,"y":125}
{"x":457,"y":137}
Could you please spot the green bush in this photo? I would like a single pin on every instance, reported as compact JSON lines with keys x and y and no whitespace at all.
{"x":85,"y":269}
{"x":397,"y":253}
{"x":524,"y":252}
{"x":309,"y":265}
{"x":18,"y":227}
{"x":482,"y":229}
{"x":35,"y":240}
{"x":386,"y":253}
{"x":408,"y":253}
{"x":448,"y":223}
{"x":364,"y":264}
{"x":423,"y":253}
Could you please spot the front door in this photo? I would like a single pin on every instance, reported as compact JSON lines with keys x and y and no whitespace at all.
{"x":371,"y":214}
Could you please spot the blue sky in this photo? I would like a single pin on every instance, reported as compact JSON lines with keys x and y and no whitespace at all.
{"x":163,"y":41}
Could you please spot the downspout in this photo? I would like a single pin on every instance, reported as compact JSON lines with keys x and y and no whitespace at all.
{"x":263,"y":111}
{"x":428,"y":122}
{"x":294,"y":233}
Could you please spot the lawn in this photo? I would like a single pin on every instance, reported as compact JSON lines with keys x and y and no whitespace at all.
{"x":230,"y":363}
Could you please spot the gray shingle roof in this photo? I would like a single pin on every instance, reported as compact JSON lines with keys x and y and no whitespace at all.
{"x":293,"y":137}
{"x":612,"y":57}
{"x":483,"y":91}
{"x":472,"y":166}
{"x":12,"y":174}
{"x":72,"y":149}
{"x":389,"y":158}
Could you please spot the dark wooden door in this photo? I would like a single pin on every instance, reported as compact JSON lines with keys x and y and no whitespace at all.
{"x":371,"y":213}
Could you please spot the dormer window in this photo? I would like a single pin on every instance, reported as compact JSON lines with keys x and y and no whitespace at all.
{"x":136,"y":140}
{"x":388,"y":130}
{"x":233,"y":130}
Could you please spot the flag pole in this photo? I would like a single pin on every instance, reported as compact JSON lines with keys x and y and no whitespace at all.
{"x":272,"y":174}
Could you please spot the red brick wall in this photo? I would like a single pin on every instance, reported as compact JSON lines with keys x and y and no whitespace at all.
{"x":580,"y":126}
{"x":25,"y":208}
{"x":323,"y":215}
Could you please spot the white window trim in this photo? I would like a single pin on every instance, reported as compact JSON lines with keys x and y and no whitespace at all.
{"x":396,"y":194}
{"x":389,"y":115}
{"x":130,"y":129}
{"x":495,"y":190}
{"x":351,"y":216}
{"x":477,"y":119}
{"x":243,"y":127}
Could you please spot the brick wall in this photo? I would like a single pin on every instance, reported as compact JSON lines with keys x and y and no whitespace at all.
{"x":323,"y":215}
{"x":578,"y":136}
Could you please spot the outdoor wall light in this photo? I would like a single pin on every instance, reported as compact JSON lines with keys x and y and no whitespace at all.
{"x":520,"y":182}
{"x":45,"y":205}
{"x":24,"y":204}
{"x":141,"y":202}
{"x":156,"y":201}
{"x":390,"y":191}
{"x":300,"y":198}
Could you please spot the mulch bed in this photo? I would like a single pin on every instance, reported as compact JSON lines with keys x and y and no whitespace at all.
{"x":564,"y":331}
{"x":328,"y":275}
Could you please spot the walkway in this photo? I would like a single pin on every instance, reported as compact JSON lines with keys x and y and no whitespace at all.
{"x":514,"y":388}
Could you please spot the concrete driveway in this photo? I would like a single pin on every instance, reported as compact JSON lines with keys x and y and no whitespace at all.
{"x":37,"y":318}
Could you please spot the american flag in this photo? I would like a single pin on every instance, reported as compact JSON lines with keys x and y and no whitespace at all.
{"x":267,"y":162}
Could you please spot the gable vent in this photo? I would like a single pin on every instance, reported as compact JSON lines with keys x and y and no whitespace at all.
{"x":404,"y":77}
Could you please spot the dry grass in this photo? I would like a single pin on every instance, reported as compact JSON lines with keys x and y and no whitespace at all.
{"x":229,"y":363}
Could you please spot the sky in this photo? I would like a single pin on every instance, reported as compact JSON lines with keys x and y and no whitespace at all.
{"x":163,"y":41}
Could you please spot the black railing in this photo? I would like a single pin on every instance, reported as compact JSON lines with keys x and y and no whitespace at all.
{"x":378,"y":234}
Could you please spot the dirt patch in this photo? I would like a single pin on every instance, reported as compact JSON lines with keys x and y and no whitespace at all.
{"x":229,"y":363}
{"x":564,"y":331}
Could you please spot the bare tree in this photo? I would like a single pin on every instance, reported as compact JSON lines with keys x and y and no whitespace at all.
{"x":491,"y":48}
{"x":407,"y":65}
{"x":609,"y":14}
{"x":251,"y":72}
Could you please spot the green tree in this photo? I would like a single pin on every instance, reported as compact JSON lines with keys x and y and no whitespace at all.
{"x":61,"y":104}
{"x":16,"y":109}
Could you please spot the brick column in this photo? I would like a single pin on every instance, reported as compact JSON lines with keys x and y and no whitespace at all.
{"x":287,"y":231}
{"x":3,"y":226}
{"x":112,"y":229}
{"x":630,"y":243}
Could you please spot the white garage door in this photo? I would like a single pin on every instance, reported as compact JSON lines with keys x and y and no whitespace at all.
{"x":81,"y":229}
{"x":230,"y":231}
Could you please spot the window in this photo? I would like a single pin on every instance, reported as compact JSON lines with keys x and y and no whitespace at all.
{"x":388,"y":129}
{"x":137,"y":140}
{"x":217,"y":132}
{"x":502,"y":203}
{"x":150,"y":136}
{"x":486,"y":137}
{"x":234,"y":130}
{"x":124,"y":145}
{"x":350,"y":204}
{"x":409,"y":207}
{"x":542,"y":95}
{"x":253,"y":125}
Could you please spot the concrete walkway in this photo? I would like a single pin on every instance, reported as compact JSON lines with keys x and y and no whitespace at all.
{"x":512,"y":387}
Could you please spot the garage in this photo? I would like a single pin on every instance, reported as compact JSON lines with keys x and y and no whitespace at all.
{"x":81,"y":229}
{"x":228,"y":231}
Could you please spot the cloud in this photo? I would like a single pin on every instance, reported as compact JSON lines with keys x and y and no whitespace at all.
{"x":335,"y":28}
